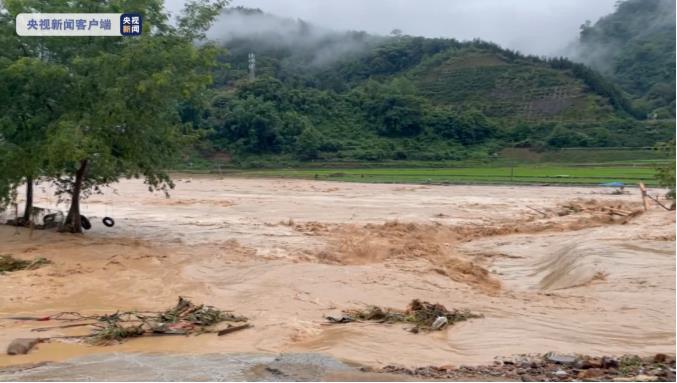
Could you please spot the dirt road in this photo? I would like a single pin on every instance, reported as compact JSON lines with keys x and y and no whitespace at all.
{"x":285,"y":253}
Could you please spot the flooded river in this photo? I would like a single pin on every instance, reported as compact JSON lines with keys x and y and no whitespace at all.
{"x":286,"y":253}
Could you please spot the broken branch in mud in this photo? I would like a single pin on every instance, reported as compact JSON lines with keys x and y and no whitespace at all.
{"x":657,"y":201}
{"x":63,"y":326}
{"x":231,"y":329}
{"x":610,"y":210}
{"x":423,"y":315}
{"x":185,"y":318}
{"x":537,"y":211}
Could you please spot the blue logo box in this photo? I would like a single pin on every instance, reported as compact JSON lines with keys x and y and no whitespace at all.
{"x":131,"y":24}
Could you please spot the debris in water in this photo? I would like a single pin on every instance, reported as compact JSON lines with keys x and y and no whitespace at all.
{"x":231,"y":328}
{"x":439,"y":323}
{"x":21,"y":346}
{"x":200,"y":315}
{"x":112,"y":330}
{"x":185,"y":318}
{"x":339,"y":318}
{"x":423,"y":315}
{"x":9,"y":263}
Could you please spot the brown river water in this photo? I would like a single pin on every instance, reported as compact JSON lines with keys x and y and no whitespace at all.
{"x":286,"y":253}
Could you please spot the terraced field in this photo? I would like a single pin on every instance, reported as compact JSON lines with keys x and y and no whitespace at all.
{"x":501,"y":89}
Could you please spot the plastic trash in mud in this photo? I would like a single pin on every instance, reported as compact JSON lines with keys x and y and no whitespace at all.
{"x":440,"y":323}
{"x":424,"y":316}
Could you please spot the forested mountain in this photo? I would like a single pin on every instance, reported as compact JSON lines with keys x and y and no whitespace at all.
{"x":321,"y":94}
{"x":635,"y":47}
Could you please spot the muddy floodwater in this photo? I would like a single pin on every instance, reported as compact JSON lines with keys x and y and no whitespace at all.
{"x":566,"y":269}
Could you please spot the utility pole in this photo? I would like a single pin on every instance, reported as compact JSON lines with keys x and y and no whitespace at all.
{"x":252,"y":66}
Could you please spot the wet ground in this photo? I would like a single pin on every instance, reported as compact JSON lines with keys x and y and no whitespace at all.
{"x":209,"y":367}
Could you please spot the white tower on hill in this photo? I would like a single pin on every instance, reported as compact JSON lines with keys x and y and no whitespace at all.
{"x":252,"y":67}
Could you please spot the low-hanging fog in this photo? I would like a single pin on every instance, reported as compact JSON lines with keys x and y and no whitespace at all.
{"x":530,"y":26}
{"x":655,"y":17}
{"x":314,"y":44}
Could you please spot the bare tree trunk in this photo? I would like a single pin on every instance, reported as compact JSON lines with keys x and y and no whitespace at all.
{"x":26,"y":220}
{"x":73,"y":223}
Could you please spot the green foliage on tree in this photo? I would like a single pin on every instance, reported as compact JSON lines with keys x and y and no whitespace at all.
{"x":563,"y":137}
{"x":29,"y":106}
{"x":393,"y":109}
{"x":250,"y":125}
{"x":468,"y":128}
{"x":309,"y":144}
{"x":666,"y":173}
{"x":120,"y":115}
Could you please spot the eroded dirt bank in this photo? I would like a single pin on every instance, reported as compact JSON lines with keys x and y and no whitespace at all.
{"x":551,"y":269}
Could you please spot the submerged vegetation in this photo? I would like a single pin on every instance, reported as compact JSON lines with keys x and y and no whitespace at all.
{"x":183,"y":319}
{"x":423,"y":316}
{"x":9,"y":263}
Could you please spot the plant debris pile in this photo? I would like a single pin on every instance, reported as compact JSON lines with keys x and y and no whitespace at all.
{"x":423,"y":315}
{"x":183,"y":319}
{"x":9,"y":263}
{"x":197,"y":315}
{"x":595,"y":207}
{"x":116,"y":327}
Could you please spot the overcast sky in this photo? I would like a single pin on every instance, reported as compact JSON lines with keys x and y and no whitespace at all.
{"x":542,"y":27}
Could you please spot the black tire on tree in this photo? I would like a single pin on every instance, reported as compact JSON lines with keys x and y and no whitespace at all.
{"x":84,"y":222}
{"x":49,"y":218}
{"x":108,"y":221}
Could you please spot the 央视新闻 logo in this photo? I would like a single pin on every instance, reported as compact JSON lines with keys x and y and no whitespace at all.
{"x":130,"y":24}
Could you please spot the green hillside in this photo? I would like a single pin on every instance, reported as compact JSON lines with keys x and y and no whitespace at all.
{"x":325,"y":95}
{"x":635,"y":47}
{"x":516,"y":90}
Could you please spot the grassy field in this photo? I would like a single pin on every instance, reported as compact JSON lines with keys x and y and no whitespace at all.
{"x":600,"y":156}
{"x":522,"y":174}
{"x":588,"y":166}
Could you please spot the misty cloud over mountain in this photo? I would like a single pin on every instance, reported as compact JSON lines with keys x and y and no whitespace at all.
{"x":635,"y":22}
{"x":268,"y":32}
{"x":530,"y":26}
